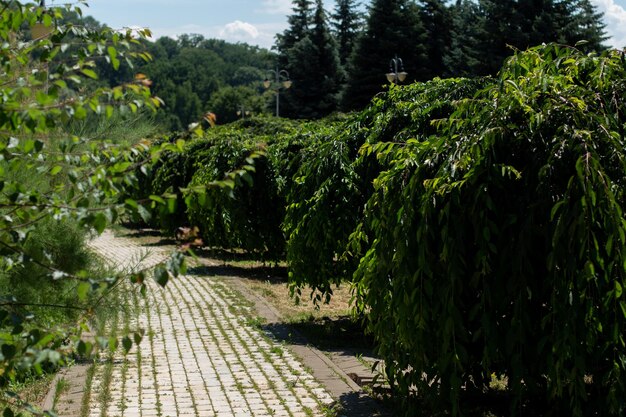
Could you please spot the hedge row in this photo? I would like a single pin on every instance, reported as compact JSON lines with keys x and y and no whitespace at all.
{"x":480,"y":220}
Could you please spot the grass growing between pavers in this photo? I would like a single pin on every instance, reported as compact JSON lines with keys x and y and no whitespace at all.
{"x":275,"y":382}
{"x":201,"y":356}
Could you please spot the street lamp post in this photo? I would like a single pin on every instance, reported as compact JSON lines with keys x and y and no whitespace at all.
{"x":395,"y":76}
{"x":242,"y":112}
{"x":281,"y":81}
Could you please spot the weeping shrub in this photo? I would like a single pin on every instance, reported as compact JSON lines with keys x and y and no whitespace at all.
{"x":497,"y":244}
{"x":326,"y":201}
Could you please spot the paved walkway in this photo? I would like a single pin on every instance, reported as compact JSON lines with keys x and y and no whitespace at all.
{"x":201,"y":356}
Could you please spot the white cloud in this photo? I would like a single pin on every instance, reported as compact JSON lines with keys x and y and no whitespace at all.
{"x":261,"y":34}
{"x":239,"y":31}
{"x":615,"y":18}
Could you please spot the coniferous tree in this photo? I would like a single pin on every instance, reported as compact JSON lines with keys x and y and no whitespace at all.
{"x":485,"y":36}
{"x":346,"y":23}
{"x":463,"y":58}
{"x":501,"y":27}
{"x":313,"y":64}
{"x":589,"y":26}
{"x":393,"y":28}
{"x":299,"y":24}
{"x":437,"y":21}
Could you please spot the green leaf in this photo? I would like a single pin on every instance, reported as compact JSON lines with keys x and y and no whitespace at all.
{"x":99,"y":222}
{"x":127,"y":344}
{"x":144,"y":213}
{"x":171,"y":205}
{"x":113,"y":343}
{"x":161,"y":276}
{"x":89,"y":73}
{"x":113,"y":57}
{"x":8,"y":351}
{"x":83,"y":290}
{"x":618,"y":289}
{"x":55,"y":170}
{"x":157,"y":198}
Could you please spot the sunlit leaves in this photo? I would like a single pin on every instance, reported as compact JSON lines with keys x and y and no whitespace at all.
{"x":47,"y":84}
{"x":497,"y":243}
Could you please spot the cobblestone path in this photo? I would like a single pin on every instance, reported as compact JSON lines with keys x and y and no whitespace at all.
{"x":201,"y":354}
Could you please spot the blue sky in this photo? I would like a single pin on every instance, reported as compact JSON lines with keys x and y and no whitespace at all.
{"x":254,"y":22}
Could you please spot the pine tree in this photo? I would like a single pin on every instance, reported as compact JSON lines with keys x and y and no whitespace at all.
{"x":501,"y":27}
{"x":313,"y":64}
{"x":299,"y":24}
{"x":483,"y":38}
{"x":589,"y":26}
{"x":437,"y":20}
{"x":393,"y":28}
{"x":346,"y":23}
{"x":463,"y":58}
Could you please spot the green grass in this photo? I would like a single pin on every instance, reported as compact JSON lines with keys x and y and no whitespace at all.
{"x":61,"y":387}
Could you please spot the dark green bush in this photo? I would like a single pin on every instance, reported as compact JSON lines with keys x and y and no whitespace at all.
{"x":497,"y":243}
{"x":327,"y":199}
{"x":248,"y":217}
{"x":56,"y":244}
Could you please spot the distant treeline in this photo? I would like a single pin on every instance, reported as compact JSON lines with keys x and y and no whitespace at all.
{"x":337,"y":60}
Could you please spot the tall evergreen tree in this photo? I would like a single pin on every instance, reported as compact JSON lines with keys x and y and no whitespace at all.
{"x":484,"y":38}
{"x":589,"y":26}
{"x":393,"y":27}
{"x":463,"y":56}
{"x":315,"y":70}
{"x":299,"y":24}
{"x":501,"y":26}
{"x":437,"y":20}
{"x":346,"y":23}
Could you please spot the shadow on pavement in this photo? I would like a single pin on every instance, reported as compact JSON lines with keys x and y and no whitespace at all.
{"x":259,"y":273}
{"x":358,"y":404}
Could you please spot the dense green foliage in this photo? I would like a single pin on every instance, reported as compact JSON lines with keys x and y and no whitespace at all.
{"x":393,"y":29}
{"x":497,"y":244}
{"x":484,"y":33}
{"x":188,"y":73}
{"x":481,"y":222}
{"x":346,"y":23}
{"x":249,"y":214}
{"x":308,"y":44}
{"x":59,"y":180}
{"x":332,"y":185}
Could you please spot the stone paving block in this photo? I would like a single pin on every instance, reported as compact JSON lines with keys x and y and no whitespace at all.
{"x":202,"y":354}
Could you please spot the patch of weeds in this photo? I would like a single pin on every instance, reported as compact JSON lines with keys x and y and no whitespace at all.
{"x":334,"y":410}
{"x":239,"y":387}
{"x":266,"y":292}
{"x":330,"y":333}
{"x":277,"y":350}
{"x":84,"y":406}
{"x":499,"y":383}
{"x":255,"y":322}
{"x":32,"y":389}
{"x":62,"y":386}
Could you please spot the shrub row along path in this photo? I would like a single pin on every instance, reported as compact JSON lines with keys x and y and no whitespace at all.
{"x":200,"y":356}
